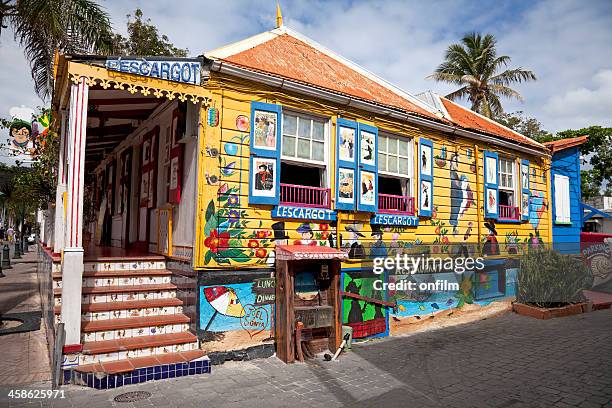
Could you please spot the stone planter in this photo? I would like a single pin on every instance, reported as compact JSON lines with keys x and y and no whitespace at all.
{"x":545,"y":314}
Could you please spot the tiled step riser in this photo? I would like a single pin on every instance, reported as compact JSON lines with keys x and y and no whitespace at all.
{"x":123,"y":266}
{"x":134,"y":332}
{"x":144,"y":352}
{"x":120,"y":297}
{"x":126,"y":313}
{"x":123,"y":314}
{"x":116,"y":281}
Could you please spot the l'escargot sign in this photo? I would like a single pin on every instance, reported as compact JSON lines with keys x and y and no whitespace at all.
{"x":186,"y":71}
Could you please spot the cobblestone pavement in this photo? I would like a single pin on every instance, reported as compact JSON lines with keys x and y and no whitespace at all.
{"x":506,"y":362}
{"x":24,"y":357}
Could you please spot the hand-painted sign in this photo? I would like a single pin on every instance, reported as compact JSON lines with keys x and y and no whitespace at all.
{"x":177,"y":70}
{"x":264,"y":290}
{"x":318,"y":214}
{"x":391,"y":219}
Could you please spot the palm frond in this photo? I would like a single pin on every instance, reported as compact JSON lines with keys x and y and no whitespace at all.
{"x":504,"y":91}
{"x":458,"y":94}
{"x":510,"y":76}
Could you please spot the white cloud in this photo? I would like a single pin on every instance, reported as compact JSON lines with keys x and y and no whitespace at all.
{"x":565,"y":42}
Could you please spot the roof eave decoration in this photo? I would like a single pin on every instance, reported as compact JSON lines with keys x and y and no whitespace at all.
{"x":146,"y":86}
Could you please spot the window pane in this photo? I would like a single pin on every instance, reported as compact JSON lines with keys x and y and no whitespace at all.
{"x":392,"y":146}
{"x":382,"y":144}
{"x":403,"y":165}
{"x":382,"y":161}
{"x":403,"y":147}
{"x":289,"y":146}
{"x":392,"y":164}
{"x":303,"y":148}
{"x":304,"y":128}
{"x":510,"y":181}
{"x":318,"y":130}
{"x":289,"y":124}
{"x":318,"y":151}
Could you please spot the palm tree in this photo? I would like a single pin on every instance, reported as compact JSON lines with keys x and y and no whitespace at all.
{"x":474,"y":66}
{"x":43,"y":27}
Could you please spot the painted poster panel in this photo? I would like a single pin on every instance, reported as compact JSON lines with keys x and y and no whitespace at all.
{"x":491,"y":176}
{"x":491,"y":203}
{"x":367,"y":188}
{"x":425,"y":195}
{"x":525,"y":204}
{"x":368,"y":148}
{"x":524,"y":177}
{"x":347,"y":144}
{"x":264,"y":180}
{"x":346,"y":181}
{"x":366,"y":318}
{"x":426,"y":169}
{"x":264,"y":134}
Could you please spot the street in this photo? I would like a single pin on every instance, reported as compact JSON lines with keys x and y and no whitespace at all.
{"x":507,"y":362}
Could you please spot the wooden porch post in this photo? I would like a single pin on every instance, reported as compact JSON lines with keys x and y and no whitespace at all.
{"x":72,"y":260}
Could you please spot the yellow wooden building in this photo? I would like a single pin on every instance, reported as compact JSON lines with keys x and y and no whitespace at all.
{"x":193,"y":171}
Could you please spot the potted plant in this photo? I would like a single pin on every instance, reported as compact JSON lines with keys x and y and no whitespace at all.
{"x":550,"y":284}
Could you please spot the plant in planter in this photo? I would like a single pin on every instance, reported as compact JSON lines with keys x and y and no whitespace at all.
{"x":551,"y":282}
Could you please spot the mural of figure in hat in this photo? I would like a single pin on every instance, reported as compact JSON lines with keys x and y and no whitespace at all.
{"x":280,"y":238}
{"x":307,"y":235}
{"x":491,"y":246}
{"x":462,"y":197}
{"x":356,"y":249}
{"x":378,"y":248}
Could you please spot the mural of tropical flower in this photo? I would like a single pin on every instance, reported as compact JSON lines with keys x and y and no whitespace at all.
{"x":234,"y":216}
{"x":261,"y":253}
{"x":232,"y":200}
{"x":323,"y":227}
{"x":262,"y":234}
{"x":217,"y":242}
{"x":253,"y":243}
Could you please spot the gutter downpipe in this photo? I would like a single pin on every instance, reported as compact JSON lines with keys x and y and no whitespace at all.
{"x":222,"y":67}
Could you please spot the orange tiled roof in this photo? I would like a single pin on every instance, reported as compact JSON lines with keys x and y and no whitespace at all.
{"x":470,"y":120}
{"x":562,"y":144}
{"x":289,"y":57}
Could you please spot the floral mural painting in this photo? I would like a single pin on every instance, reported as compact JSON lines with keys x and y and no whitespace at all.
{"x":441,"y":242}
{"x":440,"y":159}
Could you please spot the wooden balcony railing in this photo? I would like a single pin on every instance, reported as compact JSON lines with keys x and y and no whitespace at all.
{"x":394,"y":204}
{"x":508,"y":212}
{"x":304,"y":196}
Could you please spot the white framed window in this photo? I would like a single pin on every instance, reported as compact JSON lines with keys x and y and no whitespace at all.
{"x":395,"y":161}
{"x":507,"y":182}
{"x":562,"y":199}
{"x":304,"y":150}
{"x":304,"y":138}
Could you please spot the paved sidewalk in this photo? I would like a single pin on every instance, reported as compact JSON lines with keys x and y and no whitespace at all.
{"x":506,"y":362}
{"x":23,"y":356}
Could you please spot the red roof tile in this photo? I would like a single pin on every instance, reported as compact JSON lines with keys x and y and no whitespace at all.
{"x":562,"y":144}
{"x":289,"y":57}
{"x":470,"y":120}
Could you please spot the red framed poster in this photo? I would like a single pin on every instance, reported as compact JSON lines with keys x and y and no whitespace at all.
{"x":176,"y":174}
{"x":148,"y":168}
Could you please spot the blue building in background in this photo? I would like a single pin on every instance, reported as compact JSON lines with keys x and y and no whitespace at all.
{"x":566,"y":194}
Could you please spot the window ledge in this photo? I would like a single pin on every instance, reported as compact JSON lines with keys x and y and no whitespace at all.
{"x":562,"y":223}
{"x":508,"y":221}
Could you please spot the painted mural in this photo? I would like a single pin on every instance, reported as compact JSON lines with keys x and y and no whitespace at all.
{"x":233,"y":316}
{"x":366,"y":318}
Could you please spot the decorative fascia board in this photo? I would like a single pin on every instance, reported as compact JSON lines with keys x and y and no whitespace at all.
{"x":146,"y":86}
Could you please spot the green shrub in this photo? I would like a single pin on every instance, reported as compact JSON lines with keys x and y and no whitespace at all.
{"x":549,"y":279}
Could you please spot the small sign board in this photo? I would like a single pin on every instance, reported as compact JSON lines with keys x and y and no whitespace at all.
{"x":392,"y":219}
{"x":303,"y":213}
{"x":264,"y":290}
{"x":185,"y":71}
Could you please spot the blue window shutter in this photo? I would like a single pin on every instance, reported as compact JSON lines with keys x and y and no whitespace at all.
{"x":525,"y":190}
{"x":265,"y":151}
{"x":346,"y":168}
{"x":491,"y":183}
{"x":368,"y":169}
{"x":426,"y":185}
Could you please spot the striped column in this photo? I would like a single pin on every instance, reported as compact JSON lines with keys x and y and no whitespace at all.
{"x":58,"y":244}
{"x":75,"y":181}
{"x":72,"y":260}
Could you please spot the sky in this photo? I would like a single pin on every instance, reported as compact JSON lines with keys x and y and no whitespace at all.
{"x":567,"y":43}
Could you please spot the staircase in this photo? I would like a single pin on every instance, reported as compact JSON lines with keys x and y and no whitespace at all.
{"x":133,"y":328}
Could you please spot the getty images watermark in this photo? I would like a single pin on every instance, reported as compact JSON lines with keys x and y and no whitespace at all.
{"x":409,"y":265}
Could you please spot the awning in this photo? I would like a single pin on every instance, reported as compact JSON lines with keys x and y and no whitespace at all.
{"x":298,"y":252}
